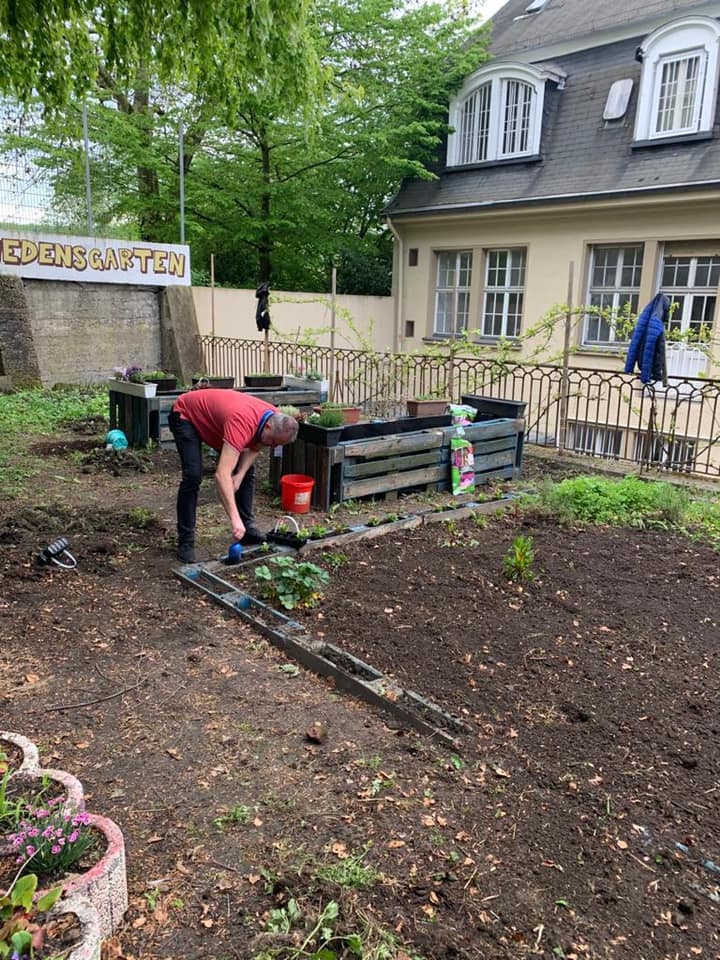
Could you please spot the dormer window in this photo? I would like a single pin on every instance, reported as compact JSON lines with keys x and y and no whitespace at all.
{"x":497,"y":114}
{"x":678,"y":87}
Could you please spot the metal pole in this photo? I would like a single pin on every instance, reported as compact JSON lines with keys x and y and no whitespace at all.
{"x":181,"y":162}
{"x":333,"y":291}
{"x":564,"y":383}
{"x":212,"y":307}
{"x":88,"y":193}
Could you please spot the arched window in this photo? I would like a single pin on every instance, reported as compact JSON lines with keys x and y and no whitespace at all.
{"x":679,"y":83}
{"x":497,"y":115}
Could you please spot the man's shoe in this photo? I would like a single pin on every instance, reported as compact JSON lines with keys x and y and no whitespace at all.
{"x":186,"y":553}
{"x":253,"y":535}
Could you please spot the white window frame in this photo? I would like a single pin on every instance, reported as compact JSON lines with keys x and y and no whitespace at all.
{"x":487,"y":109}
{"x":506,"y":290}
{"x":614,"y":296}
{"x":594,"y":439}
{"x":678,"y":42}
{"x":455,"y":320}
{"x":684,"y":295}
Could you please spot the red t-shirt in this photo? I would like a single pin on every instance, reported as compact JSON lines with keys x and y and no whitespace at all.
{"x":223,"y":416}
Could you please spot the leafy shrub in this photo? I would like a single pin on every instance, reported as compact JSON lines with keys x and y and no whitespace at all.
{"x":291,"y":582}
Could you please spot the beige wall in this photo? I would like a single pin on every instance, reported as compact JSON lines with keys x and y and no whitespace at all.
{"x":555,"y":238}
{"x":303,"y":316}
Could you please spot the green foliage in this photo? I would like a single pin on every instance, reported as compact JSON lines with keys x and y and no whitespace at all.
{"x":291,"y":582}
{"x":219,"y":47}
{"x":140,"y":517}
{"x":627,"y":502}
{"x":237,"y":814}
{"x":27,"y":413}
{"x":21,"y":916}
{"x":350,"y":872}
{"x":517,"y":564}
{"x":330,"y":417}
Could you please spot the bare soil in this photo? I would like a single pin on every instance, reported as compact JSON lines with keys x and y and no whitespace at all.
{"x":577,"y":817}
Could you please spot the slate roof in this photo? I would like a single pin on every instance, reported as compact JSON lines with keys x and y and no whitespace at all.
{"x":581,"y":154}
{"x":581,"y":22}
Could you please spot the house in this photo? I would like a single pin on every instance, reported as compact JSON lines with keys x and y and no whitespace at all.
{"x":582,"y":166}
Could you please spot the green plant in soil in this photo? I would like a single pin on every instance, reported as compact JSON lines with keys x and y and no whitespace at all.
{"x":350,"y":872}
{"x":335,"y":560}
{"x":329,"y":417}
{"x":21,"y":917}
{"x":517,"y":564}
{"x":237,"y":814}
{"x":291,"y":582}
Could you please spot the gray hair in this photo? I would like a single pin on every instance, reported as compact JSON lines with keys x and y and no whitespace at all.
{"x":283,"y":428}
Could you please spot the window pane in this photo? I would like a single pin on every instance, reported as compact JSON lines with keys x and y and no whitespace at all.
{"x":615,"y":274}
{"x":691,"y":283}
{"x":452,"y":292}
{"x":677,"y":94}
{"x":503,"y":300}
{"x":518,"y":111}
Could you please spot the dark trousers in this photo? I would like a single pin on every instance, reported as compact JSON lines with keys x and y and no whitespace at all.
{"x":189,"y":448}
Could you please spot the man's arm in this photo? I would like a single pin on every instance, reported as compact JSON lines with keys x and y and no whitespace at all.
{"x":229,"y":473}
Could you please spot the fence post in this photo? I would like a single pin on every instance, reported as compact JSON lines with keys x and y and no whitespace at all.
{"x":565,"y":377}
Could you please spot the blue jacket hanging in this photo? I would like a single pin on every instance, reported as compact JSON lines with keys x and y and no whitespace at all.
{"x":647,"y":344}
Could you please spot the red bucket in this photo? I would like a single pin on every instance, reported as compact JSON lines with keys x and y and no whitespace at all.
{"x":296,"y":492}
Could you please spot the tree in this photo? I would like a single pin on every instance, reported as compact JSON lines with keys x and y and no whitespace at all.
{"x":57,"y":50}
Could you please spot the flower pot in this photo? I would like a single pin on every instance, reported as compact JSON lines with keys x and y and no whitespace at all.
{"x":426,"y":408}
{"x":351,"y":414}
{"x":320,"y":436}
{"x":134,"y":389}
{"x":264,"y":381}
{"x":89,"y":944}
{"x":104,"y":885}
{"x":221,"y":383}
{"x":494,"y":408}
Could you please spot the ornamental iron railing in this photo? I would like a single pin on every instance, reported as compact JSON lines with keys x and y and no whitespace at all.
{"x":599,"y":413}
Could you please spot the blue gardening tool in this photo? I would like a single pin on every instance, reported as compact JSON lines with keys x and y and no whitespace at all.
{"x":234,"y":553}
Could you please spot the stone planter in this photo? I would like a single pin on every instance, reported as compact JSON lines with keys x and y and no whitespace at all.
{"x":105,"y":884}
{"x":31,"y":759}
{"x":90,"y":944}
{"x":134,"y":389}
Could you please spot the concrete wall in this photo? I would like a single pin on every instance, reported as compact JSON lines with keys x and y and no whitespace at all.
{"x":305,"y":317}
{"x":59,"y":332}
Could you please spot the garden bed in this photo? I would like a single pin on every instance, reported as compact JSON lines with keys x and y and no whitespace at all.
{"x":576,"y":820}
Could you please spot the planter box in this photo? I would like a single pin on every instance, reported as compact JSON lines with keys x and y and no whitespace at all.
{"x":426,"y":408}
{"x":493,"y":408}
{"x":133,"y":389}
{"x":164,"y":384}
{"x":221,"y":383}
{"x":265,"y":382}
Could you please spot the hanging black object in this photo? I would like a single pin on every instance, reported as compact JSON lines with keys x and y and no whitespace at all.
{"x":58,"y":553}
{"x":262,"y":314}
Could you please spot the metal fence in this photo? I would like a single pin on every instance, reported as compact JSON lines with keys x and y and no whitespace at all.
{"x":597,"y":413}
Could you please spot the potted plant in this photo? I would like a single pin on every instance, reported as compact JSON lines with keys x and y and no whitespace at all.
{"x":350,"y":413}
{"x":324,"y":427}
{"x":263,"y":381}
{"x":217,"y":382}
{"x":132,"y":380}
{"x":166,"y":382}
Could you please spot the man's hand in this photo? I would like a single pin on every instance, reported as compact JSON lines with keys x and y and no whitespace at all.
{"x":238,"y":530}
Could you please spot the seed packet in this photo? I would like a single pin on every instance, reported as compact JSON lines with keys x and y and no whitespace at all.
{"x":462,"y":414}
{"x":462,"y":464}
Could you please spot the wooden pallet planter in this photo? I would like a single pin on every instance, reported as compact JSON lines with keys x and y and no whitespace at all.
{"x":353,"y":469}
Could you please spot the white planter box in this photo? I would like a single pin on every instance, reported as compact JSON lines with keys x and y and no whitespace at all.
{"x":134,"y":389}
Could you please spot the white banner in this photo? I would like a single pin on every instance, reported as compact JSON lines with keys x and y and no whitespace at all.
{"x":47,"y":257}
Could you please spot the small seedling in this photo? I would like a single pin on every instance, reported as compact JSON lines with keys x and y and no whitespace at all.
{"x":517,"y":565}
{"x":237,"y":814}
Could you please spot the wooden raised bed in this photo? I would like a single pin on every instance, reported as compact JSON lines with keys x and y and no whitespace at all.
{"x":398,"y":462}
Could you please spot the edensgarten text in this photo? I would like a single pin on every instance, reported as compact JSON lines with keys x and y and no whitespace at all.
{"x":73,"y":256}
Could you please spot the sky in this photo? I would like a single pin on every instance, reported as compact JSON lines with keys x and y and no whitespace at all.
{"x":490,"y":7}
